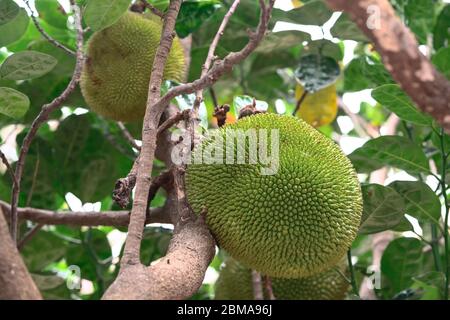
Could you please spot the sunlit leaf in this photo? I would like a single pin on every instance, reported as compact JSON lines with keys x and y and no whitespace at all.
{"x":26,"y":65}
{"x":100,"y":14}
{"x":392,"y":97}
{"x":318,"y":108}
{"x":383,"y":209}
{"x":13,"y":103}
{"x":14,"y":29}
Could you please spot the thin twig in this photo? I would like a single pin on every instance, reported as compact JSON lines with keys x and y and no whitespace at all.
{"x":42,"y":117}
{"x":8,"y":167}
{"x":153,"y":9}
{"x":192,"y":125}
{"x":257,"y":286}
{"x":45,"y":34}
{"x":352,"y":273}
{"x":85,"y":218}
{"x":268,"y":287}
{"x":299,"y":102}
{"x":127,"y":135}
{"x":173,"y":120}
{"x":29,"y":235}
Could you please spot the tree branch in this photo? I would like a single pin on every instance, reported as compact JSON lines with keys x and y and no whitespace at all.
{"x":82,"y":218}
{"x":15,"y":280}
{"x":398,"y":47}
{"x":149,"y":134}
{"x":42,"y":117}
{"x":154,"y":10}
{"x":46,"y":35}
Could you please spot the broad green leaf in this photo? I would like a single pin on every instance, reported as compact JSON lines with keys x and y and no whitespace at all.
{"x":441,"y":34}
{"x":324,"y":48}
{"x":100,"y":14}
{"x":393,"y":98}
{"x":281,"y":40}
{"x":14,"y":29}
{"x":419,"y":16}
{"x":365,"y":72}
{"x":13,"y":103}
{"x":395,"y":151}
{"x":442,"y":61}
{"x":403,"y":226}
{"x":346,"y":29}
{"x":52,"y":12}
{"x":43,"y":249}
{"x":192,"y":15}
{"x":401,"y":262}
{"x":316,"y":72}
{"x":432,"y":284}
{"x":8,"y":11}
{"x":311,"y":13}
{"x":383,"y":209}
{"x":26,"y":65}
{"x":420,"y":201}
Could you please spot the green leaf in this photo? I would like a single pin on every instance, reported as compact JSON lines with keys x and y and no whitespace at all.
{"x":52,"y":12}
{"x":192,"y":15}
{"x":44,"y":249}
{"x":395,"y":151}
{"x":432,"y":284}
{"x":419,"y":16}
{"x":8,"y":11}
{"x":311,"y":13}
{"x":393,"y":98}
{"x":441,"y":34}
{"x":383,"y":209}
{"x":400,"y":262}
{"x":365,"y":72}
{"x":100,"y":14}
{"x":14,"y":29}
{"x":420,"y":201}
{"x":346,"y":29}
{"x":13,"y":103}
{"x":26,"y":65}
{"x":316,"y":72}
{"x":442,"y":61}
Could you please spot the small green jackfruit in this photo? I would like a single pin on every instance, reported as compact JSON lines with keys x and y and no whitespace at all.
{"x":116,"y":73}
{"x":235,"y":283}
{"x":295,"y":223}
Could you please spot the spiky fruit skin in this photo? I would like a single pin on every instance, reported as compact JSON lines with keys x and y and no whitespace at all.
{"x":116,"y":73}
{"x":295,"y":223}
{"x":235,"y":283}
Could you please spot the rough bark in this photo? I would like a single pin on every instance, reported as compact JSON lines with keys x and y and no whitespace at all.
{"x":398,"y":47}
{"x":15,"y":281}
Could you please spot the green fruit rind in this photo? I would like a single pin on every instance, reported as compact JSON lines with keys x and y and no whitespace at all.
{"x":295,"y":223}
{"x":116,"y":73}
{"x":235,"y":283}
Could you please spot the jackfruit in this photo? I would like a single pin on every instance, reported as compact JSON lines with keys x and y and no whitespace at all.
{"x":235,"y":283}
{"x":116,"y":73}
{"x":295,"y":223}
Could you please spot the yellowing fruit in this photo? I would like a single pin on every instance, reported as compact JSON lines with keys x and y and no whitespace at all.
{"x":318,"y":108}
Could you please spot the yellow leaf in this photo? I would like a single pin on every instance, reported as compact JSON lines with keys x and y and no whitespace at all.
{"x":318,"y":108}
{"x":296,"y":3}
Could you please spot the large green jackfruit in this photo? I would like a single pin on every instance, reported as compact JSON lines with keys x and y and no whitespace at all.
{"x":295,"y":223}
{"x":235,"y":283}
{"x":116,"y":73}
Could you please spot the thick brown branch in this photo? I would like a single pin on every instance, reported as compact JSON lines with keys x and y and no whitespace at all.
{"x":42,"y":117}
{"x":15,"y":281}
{"x":73,"y":218}
{"x":149,"y":136}
{"x":398,"y":47}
